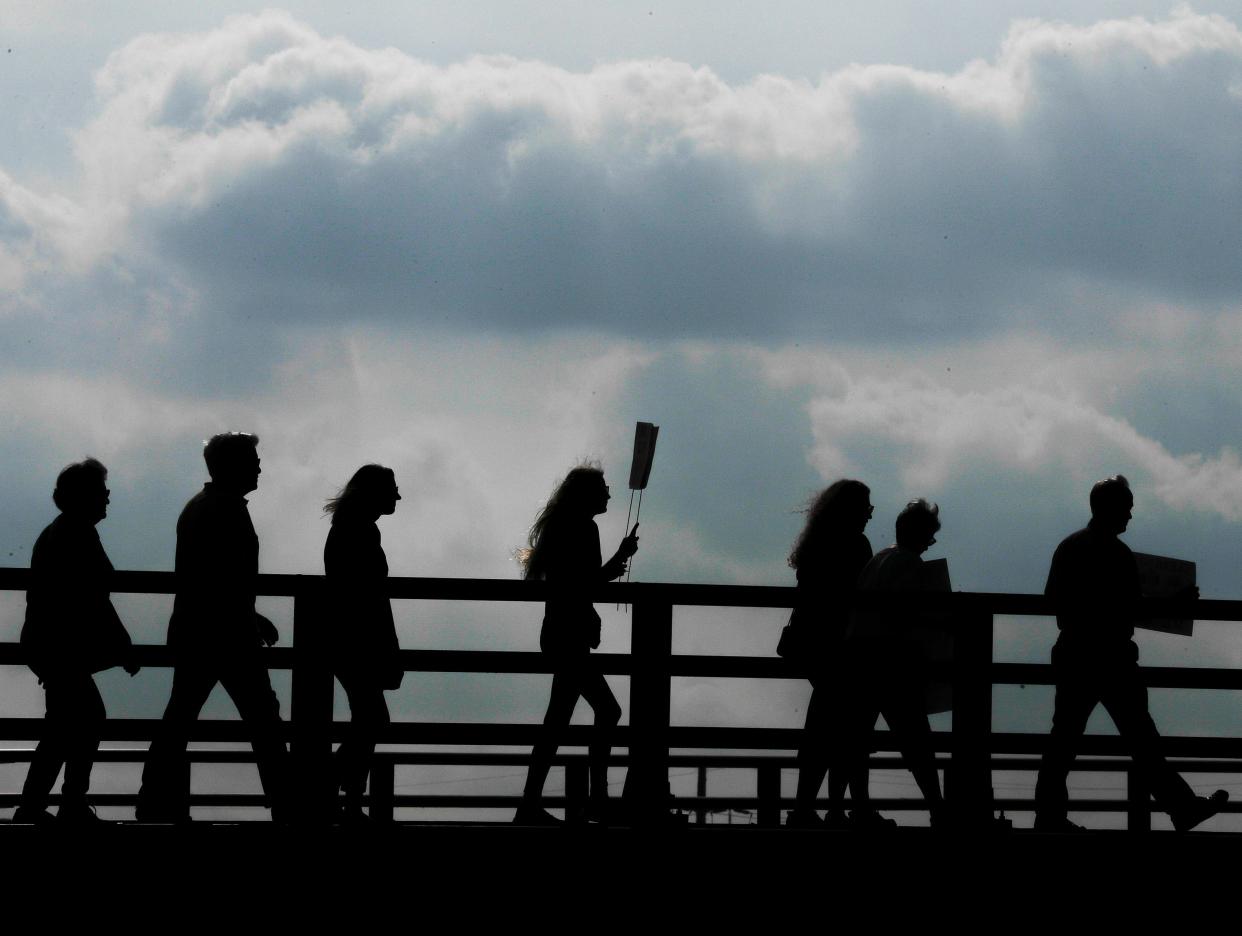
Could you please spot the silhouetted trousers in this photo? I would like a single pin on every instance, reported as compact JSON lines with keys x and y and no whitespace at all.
{"x":826,"y":743}
{"x":1083,"y":681}
{"x":574,"y":675}
{"x":368,"y":716}
{"x":165,"y":792}
{"x":895,"y":682}
{"x":72,"y":729}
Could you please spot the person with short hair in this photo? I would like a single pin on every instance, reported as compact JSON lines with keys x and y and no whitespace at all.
{"x":1095,"y":588}
{"x":892,"y":664}
{"x":216,"y":635}
{"x":71,"y":632}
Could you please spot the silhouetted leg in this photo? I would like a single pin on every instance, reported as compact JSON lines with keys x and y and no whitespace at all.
{"x":50,"y":754}
{"x":250,"y":688}
{"x":813,"y":754}
{"x":84,"y":718}
{"x":165,"y":792}
{"x":1075,"y":700}
{"x":368,"y":715}
{"x":593,"y":687}
{"x":1125,"y":698}
{"x":906,"y":714}
{"x":561,"y":704}
{"x":859,"y":741}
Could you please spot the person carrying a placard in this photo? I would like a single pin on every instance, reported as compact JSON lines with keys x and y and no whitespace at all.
{"x":891,"y":663}
{"x":1094,"y":586}
{"x":564,"y":551}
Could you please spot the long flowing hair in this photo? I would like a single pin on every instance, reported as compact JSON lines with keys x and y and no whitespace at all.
{"x":571,"y":498}
{"x":837,"y":504}
{"x":365,"y":488}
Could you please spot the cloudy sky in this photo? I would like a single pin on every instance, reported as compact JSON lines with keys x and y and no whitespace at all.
{"x":981,"y":252}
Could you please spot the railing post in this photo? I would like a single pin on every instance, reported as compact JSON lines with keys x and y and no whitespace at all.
{"x":769,"y":795}
{"x":651,"y":647}
{"x":1138,"y":802}
{"x":383,"y":783}
{"x":312,"y":782}
{"x":968,"y":781}
{"x":577,"y":785}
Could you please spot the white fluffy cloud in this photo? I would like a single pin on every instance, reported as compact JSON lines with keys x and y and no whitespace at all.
{"x":284,"y":175}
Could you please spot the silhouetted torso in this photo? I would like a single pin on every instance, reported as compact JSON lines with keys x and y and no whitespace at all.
{"x":573,"y":566}
{"x":827,"y":579}
{"x":71,"y":625}
{"x":217,"y":573}
{"x":364,"y":637}
{"x":1094,"y":582}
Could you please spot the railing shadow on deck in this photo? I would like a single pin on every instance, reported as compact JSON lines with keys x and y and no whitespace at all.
{"x":969,"y":753}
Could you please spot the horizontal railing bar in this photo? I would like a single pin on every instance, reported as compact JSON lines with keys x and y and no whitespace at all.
{"x":683,"y":665}
{"x":680,"y":737}
{"x":687,"y":804}
{"x":711,"y":761}
{"x":675,"y":593}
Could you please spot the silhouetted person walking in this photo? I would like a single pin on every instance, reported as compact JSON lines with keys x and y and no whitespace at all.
{"x":1094,"y":586}
{"x":363,"y":636}
{"x":216,"y":635}
{"x":829,"y":556}
{"x":71,"y":632}
{"x":564,"y":551}
{"x":891,"y":662}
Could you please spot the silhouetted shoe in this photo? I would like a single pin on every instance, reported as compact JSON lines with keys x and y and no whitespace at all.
{"x":803,"y":819}
{"x":353,"y":816}
{"x":605,"y":812}
{"x":837,"y":819}
{"x":534,"y":816}
{"x":28,"y":815}
{"x":79,"y":814}
{"x":1203,"y":807}
{"x":868,"y":820}
{"x":1056,"y":824}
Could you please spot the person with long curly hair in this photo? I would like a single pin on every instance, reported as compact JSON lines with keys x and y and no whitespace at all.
{"x":564,"y":551}
{"x":829,"y":555}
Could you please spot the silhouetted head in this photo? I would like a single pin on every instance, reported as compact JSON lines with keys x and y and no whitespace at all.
{"x":1112,"y":504}
{"x":233,"y":461}
{"x":917,"y":526}
{"x":370,"y":494}
{"x":82,"y":490}
{"x":581,"y":495}
{"x":841,"y":510}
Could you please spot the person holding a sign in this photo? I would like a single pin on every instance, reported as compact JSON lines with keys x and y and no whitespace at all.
{"x":828,"y":557}
{"x":564,"y":551}
{"x":1094,"y":586}
{"x":891,"y":662}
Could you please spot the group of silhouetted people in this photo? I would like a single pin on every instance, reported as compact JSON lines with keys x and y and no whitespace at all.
{"x":865,"y":660}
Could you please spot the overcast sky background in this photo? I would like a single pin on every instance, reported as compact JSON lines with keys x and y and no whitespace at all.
{"x":980,"y":252}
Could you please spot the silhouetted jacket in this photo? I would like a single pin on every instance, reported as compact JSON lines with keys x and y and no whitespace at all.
{"x":71,"y":627}
{"x":894,"y":569}
{"x":217,"y":575}
{"x":363,"y":635}
{"x":827,"y":579}
{"x":572,"y":566}
{"x":1094,"y":585}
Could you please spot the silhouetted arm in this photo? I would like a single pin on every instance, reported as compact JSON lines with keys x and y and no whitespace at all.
{"x":614,"y":568}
